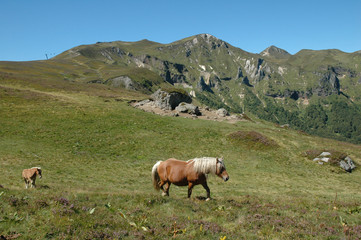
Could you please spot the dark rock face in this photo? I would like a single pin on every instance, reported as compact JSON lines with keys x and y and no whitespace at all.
{"x":246,"y":82}
{"x":292,"y":94}
{"x":169,"y":101}
{"x":174,"y":72}
{"x":201,"y":85}
{"x":327,"y":85}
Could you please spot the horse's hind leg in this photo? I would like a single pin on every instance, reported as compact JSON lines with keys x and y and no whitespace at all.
{"x":208,"y":190}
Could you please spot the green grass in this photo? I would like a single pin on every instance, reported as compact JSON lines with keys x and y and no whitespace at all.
{"x":97,"y":152}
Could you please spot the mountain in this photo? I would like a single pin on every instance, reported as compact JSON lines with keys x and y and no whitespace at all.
{"x":275,"y":52}
{"x":314,"y":91}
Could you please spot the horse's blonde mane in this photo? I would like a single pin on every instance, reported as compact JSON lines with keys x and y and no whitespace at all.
{"x":36,"y":167}
{"x":205,"y":165}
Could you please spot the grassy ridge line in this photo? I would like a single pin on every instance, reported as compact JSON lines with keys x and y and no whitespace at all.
{"x":96,"y":152}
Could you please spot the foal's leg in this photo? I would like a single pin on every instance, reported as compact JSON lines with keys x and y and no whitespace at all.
{"x":33,"y":183}
{"x":26,"y":183}
{"x":208,"y":190}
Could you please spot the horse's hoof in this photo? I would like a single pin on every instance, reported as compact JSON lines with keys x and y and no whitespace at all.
{"x":164,"y":194}
{"x":208,"y":199}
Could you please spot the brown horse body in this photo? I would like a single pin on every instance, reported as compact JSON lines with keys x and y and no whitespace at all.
{"x":29,"y":176}
{"x":190,"y":173}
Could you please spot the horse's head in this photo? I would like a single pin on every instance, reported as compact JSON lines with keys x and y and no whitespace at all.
{"x":38,"y":172}
{"x":221,"y":169}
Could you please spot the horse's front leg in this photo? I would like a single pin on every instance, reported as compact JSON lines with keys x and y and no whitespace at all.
{"x":166,"y":190}
{"x":208,"y":191}
{"x":167,"y":186}
{"x":190,"y":187}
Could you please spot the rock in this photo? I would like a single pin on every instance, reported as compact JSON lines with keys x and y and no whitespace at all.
{"x":328,"y":84}
{"x":325,"y":159}
{"x":222,"y":112}
{"x":188,"y":108}
{"x":347,"y":164}
{"x":325,"y":154}
{"x":169,"y":100}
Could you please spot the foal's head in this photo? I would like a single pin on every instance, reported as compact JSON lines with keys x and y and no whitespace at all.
{"x":221,"y":170}
{"x":38,"y":171}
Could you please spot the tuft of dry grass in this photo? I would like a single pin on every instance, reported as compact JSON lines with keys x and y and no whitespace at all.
{"x":252,"y":139}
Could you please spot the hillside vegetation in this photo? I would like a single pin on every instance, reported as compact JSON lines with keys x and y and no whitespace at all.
{"x":96,"y":153}
{"x":273,"y":85}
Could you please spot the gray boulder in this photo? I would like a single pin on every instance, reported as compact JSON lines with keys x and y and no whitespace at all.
{"x":169,"y":100}
{"x":188,"y":108}
{"x":222,"y":112}
{"x":325,"y":154}
{"x":347,"y":164}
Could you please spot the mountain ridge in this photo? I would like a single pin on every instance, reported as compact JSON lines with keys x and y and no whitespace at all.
{"x":273,"y":85}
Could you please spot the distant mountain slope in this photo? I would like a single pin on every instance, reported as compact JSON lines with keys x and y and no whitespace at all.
{"x":273,"y":85}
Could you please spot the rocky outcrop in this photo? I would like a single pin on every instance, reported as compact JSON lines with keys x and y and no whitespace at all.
{"x":328,"y":84}
{"x":345,"y":163}
{"x":169,"y":100}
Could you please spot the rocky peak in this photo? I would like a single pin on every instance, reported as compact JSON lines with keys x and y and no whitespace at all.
{"x":275,"y":52}
{"x":207,"y":36}
{"x":210,"y":40}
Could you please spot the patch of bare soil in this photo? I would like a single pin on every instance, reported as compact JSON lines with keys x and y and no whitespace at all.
{"x":207,"y":114}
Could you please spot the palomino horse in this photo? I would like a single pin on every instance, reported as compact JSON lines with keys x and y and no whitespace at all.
{"x":29,"y":176}
{"x":190,"y":173}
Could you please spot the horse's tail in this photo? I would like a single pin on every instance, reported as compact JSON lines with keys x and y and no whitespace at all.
{"x":155,"y":176}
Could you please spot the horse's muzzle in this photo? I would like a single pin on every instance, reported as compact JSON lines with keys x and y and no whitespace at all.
{"x":225,"y":179}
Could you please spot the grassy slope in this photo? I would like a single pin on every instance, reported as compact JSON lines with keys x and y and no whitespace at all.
{"x":97,"y":152}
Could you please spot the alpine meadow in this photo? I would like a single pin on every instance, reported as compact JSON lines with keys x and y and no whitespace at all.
{"x":74,"y":116}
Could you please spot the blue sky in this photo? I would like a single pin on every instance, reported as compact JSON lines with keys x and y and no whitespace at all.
{"x":31,"y":29}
